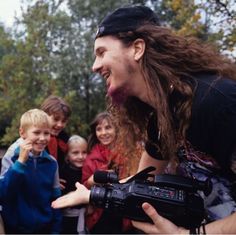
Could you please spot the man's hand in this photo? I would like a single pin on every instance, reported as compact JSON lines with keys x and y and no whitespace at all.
{"x":160,"y":224}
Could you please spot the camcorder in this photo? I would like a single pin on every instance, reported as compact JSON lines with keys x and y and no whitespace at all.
{"x":174,"y":197}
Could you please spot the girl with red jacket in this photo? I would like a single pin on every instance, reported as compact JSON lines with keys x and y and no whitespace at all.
{"x":104,"y":154}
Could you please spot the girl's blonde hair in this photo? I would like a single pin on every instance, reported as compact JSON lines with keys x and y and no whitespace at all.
{"x":76,"y":139}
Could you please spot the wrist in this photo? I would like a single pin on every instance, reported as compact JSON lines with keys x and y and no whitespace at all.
{"x":23,"y":156}
{"x":22,"y":159}
{"x":183,"y":231}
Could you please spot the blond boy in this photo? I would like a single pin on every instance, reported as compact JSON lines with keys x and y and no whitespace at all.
{"x":29,"y":179}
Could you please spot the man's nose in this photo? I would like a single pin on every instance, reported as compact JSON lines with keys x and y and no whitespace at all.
{"x":96,"y":66}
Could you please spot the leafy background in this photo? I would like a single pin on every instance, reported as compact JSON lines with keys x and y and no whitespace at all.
{"x":49,"y":50}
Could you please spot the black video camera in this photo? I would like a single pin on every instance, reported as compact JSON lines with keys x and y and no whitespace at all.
{"x":174,"y":197}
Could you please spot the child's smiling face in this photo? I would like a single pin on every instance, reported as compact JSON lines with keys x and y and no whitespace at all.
{"x":39,"y":136}
{"x":77,"y":153}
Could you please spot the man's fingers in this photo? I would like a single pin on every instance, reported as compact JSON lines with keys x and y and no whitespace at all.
{"x":145,"y":227}
{"x":151,"y":212}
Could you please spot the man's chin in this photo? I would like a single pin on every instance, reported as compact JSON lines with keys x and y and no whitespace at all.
{"x":117,"y":97}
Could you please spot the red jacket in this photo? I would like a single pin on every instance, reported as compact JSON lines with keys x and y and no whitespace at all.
{"x":97,"y":159}
{"x":57,"y":147}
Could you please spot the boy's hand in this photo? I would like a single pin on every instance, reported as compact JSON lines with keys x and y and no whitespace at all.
{"x":62,"y":184}
{"x":25,"y":148}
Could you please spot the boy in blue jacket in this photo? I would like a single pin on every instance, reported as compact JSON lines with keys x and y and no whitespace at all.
{"x":29,"y":179}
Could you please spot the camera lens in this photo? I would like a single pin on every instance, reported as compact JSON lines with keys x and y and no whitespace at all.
{"x":98,"y":196}
{"x":104,"y":177}
{"x":112,"y":177}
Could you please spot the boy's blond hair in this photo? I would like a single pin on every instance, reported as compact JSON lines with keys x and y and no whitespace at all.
{"x":34,"y":117}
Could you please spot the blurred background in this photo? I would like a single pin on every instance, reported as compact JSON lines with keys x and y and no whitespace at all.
{"x":47,"y":48}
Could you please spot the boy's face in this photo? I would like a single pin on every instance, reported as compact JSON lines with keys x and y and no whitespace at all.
{"x":58,"y":123}
{"x":38,"y":136}
{"x":77,"y":154}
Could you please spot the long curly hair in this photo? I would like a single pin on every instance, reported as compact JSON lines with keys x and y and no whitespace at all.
{"x":123,"y":157}
{"x":169,"y":65}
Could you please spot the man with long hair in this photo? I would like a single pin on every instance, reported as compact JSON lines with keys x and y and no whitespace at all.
{"x":182,"y":93}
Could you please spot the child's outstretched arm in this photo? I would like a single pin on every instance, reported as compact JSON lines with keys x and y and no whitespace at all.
{"x":79,"y":196}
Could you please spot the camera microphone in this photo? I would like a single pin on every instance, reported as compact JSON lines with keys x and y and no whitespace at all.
{"x":104,"y":177}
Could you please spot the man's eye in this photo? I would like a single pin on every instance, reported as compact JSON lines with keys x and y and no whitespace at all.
{"x":100,"y":53}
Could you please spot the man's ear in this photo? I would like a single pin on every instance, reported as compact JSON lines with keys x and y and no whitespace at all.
{"x":139,"y":47}
{"x":22,"y":133}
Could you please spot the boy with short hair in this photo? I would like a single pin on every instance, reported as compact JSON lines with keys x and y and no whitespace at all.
{"x":29,"y":179}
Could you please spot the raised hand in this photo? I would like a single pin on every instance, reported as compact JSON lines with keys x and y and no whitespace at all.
{"x":25,"y":148}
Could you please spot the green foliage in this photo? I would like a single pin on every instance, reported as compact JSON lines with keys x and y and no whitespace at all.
{"x":51,"y":52}
{"x":220,"y":20}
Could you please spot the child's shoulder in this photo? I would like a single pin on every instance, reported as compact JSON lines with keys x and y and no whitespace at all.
{"x":11,"y":151}
{"x":48,"y":156}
